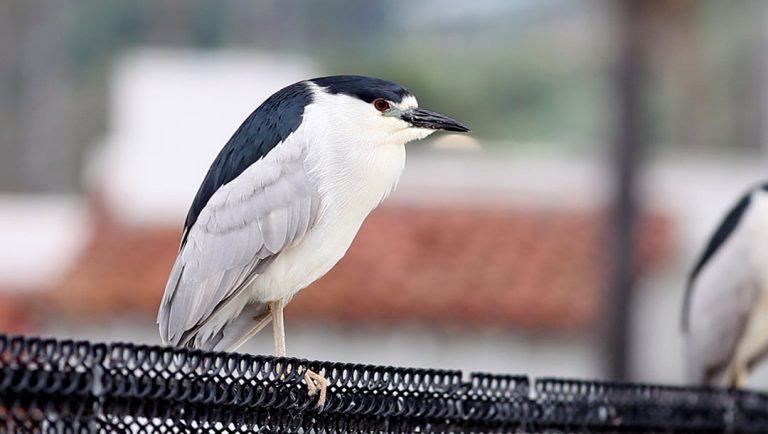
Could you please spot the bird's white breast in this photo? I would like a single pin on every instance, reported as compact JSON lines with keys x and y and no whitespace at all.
{"x":352,"y":178}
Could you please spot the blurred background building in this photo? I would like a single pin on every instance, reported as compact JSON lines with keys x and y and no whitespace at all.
{"x":497,"y":251}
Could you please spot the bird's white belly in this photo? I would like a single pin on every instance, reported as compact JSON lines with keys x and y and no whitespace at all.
{"x":297,"y":267}
{"x":347,"y":200}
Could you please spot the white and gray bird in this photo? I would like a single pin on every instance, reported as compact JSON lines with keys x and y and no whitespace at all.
{"x":725,"y":312}
{"x":282,"y":202}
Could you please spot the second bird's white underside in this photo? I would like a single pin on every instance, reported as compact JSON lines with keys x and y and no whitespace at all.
{"x":728,"y":317}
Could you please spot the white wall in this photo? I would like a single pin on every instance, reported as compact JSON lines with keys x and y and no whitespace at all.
{"x":171,"y":113}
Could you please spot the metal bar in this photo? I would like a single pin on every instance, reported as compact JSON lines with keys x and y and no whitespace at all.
{"x":629,"y":141}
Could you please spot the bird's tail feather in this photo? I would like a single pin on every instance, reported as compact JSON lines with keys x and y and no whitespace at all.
{"x":694,"y":373}
{"x":235,"y":333}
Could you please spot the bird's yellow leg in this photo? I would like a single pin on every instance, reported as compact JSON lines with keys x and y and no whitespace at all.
{"x":278,"y":326}
{"x":315,"y":382}
{"x":740,"y":375}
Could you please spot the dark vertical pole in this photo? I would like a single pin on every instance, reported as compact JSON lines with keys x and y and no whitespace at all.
{"x":629,"y":139}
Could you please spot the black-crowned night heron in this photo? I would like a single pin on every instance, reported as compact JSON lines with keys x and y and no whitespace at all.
{"x":281,"y":204}
{"x":725,"y":312}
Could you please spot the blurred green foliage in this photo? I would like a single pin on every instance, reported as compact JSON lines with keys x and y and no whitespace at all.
{"x":509,"y":83}
{"x":500,"y":96}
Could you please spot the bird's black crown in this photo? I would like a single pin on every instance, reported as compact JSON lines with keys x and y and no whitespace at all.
{"x":362,"y":87}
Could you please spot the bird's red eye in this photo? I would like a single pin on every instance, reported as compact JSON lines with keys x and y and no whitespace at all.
{"x":381,"y":104}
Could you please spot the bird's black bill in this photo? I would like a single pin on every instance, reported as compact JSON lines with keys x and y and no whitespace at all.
{"x":422,"y":118}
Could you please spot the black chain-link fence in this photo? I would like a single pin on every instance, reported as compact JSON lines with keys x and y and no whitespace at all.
{"x":57,"y":386}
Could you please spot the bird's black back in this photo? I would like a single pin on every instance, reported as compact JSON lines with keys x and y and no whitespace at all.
{"x":271,"y":123}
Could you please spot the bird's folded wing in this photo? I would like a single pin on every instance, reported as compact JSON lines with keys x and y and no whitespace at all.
{"x":244,"y":225}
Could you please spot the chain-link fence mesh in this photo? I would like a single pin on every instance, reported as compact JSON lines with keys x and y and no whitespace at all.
{"x":49,"y":386}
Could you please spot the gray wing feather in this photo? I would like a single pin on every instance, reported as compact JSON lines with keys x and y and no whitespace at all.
{"x":252,"y":319}
{"x":245,"y":224}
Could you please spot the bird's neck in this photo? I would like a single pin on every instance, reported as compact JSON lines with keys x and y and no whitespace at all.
{"x":355,"y":180}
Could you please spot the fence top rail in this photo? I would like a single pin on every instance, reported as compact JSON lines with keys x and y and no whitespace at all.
{"x":139,"y":388}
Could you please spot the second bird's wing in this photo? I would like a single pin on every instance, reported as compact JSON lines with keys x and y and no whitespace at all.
{"x":244,"y":225}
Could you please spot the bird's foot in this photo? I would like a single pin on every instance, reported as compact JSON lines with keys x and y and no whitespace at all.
{"x":316,"y":383}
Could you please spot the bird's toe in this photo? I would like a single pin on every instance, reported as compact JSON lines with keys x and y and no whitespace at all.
{"x":316,"y":383}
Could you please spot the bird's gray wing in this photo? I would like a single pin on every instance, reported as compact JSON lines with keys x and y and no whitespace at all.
{"x":720,"y":302}
{"x":245,"y":224}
